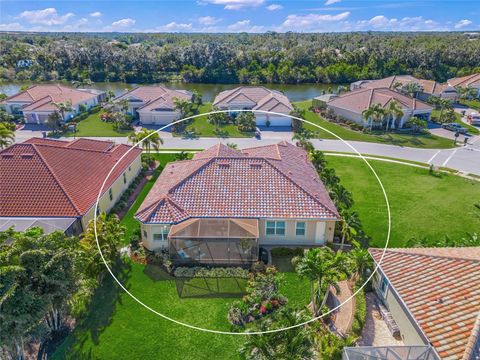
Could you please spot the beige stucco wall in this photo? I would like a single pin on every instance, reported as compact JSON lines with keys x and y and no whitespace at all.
{"x":40,"y":117}
{"x":157,"y":117}
{"x":147,"y":236}
{"x":118,"y":187}
{"x":410,"y":333}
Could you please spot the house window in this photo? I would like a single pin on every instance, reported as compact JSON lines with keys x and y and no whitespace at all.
{"x":300,"y":228}
{"x":145,"y":235}
{"x":163,"y":235}
{"x":98,"y":210}
{"x":129,"y":168}
{"x":110,"y":194}
{"x":124,"y":178}
{"x":383,"y":285}
{"x":275,"y":228}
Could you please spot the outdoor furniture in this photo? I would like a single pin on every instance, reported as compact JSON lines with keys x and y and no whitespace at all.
{"x":387,"y":317}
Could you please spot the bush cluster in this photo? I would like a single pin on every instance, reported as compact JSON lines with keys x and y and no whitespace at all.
{"x":284,"y":251}
{"x":200,"y":272}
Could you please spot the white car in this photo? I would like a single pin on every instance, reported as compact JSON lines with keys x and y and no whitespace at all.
{"x":474,"y":118}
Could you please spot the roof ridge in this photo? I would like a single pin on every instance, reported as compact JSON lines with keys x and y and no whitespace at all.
{"x":77,"y":149}
{"x":56,"y":179}
{"x":299,"y":186}
{"x":402,"y":250}
{"x":472,"y":340}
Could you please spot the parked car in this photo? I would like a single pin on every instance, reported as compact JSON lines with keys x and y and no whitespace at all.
{"x":474,"y":118}
{"x":455,"y":127}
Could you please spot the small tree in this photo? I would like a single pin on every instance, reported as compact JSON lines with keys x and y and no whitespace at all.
{"x":197,"y":97}
{"x":246,"y":121}
{"x":303,"y":139}
{"x":63,"y":107}
{"x":54,"y":121}
{"x":297,"y":125}
{"x":184,"y":107}
{"x":7,"y":135}
{"x":416,"y":124}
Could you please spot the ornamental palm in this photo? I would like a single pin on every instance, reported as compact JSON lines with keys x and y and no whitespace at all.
{"x":7,"y":136}
{"x":412,"y":89}
{"x":373,"y":114}
{"x":395,"y":112}
{"x":361,"y":260}
{"x":342,"y":197}
{"x":150,"y":139}
{"x":63,"y":107}
{"x":350,"y":223}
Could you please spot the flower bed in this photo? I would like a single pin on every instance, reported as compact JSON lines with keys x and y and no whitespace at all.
{"x":262,"y":298}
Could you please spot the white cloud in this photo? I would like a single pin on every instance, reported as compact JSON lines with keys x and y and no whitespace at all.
{"x":381,"y":22}
{"x":208,"y":20}
{"x":77,"y":25}
{"x":312,"y":21}
{"x":175,"y":27}
{"x":123,"y":23}
{"x":462,"y":23}
{"x":48,"y":16}
{"x":11,"y":27}
{"x":244,"y":26}
{"x":235,"y":4}
{"x":274,"y":7}
{"x":96,"y":14}
{"x":331,"y":2}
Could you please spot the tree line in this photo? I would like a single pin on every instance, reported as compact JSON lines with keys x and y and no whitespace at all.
{"x":236,"y":58}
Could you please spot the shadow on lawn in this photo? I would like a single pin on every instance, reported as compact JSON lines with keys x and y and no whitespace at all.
{"x":98,"y":315}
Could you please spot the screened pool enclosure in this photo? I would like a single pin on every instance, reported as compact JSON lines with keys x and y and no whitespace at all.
{"x":216,"y":241}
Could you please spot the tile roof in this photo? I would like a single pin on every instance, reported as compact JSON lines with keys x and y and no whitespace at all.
{"x":156,"y":97}
{"x":358,"y":100}
{"x":465,"y":81}
{"x":259,"y":97}
{"x":428,"y":86}
{"x":441,"y":289}
{"x":41,"y":97}
{"x":264,"y":182}
{"x":47,"y":178}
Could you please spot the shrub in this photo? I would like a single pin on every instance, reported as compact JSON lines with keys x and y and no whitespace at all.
{"x":246,"y":121}
{"x":284,"y":251}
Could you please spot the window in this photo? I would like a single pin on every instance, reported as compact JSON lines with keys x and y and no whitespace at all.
{"x":98,"y":210}
{"x":383,"y":285}
{"x":145,"y":235}
{"x":129,"y":168}
{"x":275,"y":228}
{"x":110,"y":194}
{"x":163,"y":235}
{"x":124,"y":178}
{"x":300,"y":228}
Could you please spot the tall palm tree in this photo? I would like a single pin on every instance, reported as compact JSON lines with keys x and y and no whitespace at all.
{"x":394,"y":112}
{"x":444,"y":104}
{"x":7,"y":136}
{"x":373,"y":114}
{"x":303,"y":138}
{"x":63,"y":107}
{"x":361,"y":260}
{"x":341,"y":197}
{"x":182,"y":106}
{"x":349,"y":224}
{"x":412,"y":89}
{"x":317,"y":158}
{"x":149,"y":141}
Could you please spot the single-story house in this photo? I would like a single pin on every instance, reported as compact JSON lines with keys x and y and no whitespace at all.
{"x":221,"y":205}
{"x":429,"y":87}
{"x":433,"y":295}
{"x":257,"y":98}
{"x":37,"y":102}
{"x":54,"y":184}
{"x":320,"y":102}
{"x":472,"y":81}
{"x":154,"y":105}
{"x":350,"y":105}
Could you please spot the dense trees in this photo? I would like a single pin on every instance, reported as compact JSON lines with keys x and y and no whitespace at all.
{"x":232,"y":58}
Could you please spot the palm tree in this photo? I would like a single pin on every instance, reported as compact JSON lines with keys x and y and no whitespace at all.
{"x":349,"y":224}
{"x":444,"y":105}
{"x":63,"y":107}
{"x":303,"y":138}
{"x":182,"y":106}
{"x":7,"y":136}
{"x":412,"y":89}
{"x":317,"y":158}
{"x":150,"y":139}
{"x":395,"y":112}
{"x":373,"y":114}
{"x":361,"y":260}
{"x":341,"y":197}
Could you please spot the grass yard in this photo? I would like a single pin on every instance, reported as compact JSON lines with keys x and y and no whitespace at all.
{"x":458,"y":119}
{"x":202,"y":128}
{"x":95,"y":127}
{"x":417,"y":141}
{"x":474,"y":104}
{"x":421,"y":204}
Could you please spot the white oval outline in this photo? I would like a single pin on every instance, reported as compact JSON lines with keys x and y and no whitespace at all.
{"x":247,"y":332}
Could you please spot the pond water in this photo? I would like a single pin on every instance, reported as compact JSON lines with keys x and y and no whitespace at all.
{"x":297,"y":92}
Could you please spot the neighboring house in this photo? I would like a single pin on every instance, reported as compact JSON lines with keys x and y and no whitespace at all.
{"x":350,"y":105}
{"x":221,"y":205}
{"x":433,"y":294}
{"x":54,"y":184}
{"x":154,"y":105}
{"x":37,"y":102}
{"x":472,"y":81}
{"x":320,"y":102}
{"x":429,"y":87}
{"x":257,"y":98}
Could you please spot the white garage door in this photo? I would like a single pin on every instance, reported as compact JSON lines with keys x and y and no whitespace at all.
{"x":274,"y":120}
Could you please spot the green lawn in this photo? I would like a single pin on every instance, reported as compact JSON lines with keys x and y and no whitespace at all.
{"x":474,"y":104}
{"x":421,"y":204}
{"x":418,"y":141}
{"x":94,"y":126}
{"x":203,"y":129}
{"x":458,"y":119}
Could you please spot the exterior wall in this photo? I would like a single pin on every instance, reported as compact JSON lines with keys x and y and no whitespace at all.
{"x":158,"y":117}
{"x":147,"y":236}
{"x":410,"y":331}
{"x":358,"y":118}
{"x":40,"y":117}
{"x":311,"y":237}
{"x":118,"y":187}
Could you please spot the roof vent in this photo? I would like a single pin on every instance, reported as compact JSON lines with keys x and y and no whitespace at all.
{"x":26,"y":156}
{"x":7,"y":155}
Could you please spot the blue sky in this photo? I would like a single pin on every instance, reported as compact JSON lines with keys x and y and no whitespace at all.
{"x":239,"y":15}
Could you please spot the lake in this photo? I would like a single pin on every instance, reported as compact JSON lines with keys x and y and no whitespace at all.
{"x":296,"y":92}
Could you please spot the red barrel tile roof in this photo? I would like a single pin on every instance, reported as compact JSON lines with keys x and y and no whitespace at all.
{"x":274,"y":181}
{"x":441,"y":288}
{"x":43,"y":177}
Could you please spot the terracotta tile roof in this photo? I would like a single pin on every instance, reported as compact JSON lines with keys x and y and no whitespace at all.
{"x":358,"y":100}
{"x":222,"y":182}
{"x":465,"y":81}
{"x":428,"y":86}
{"x":441,"y":289}
{"x":259,"y":97}
{"x":47,"y":178}
{"x":41,"y":97}
{"x":156,"y":97}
